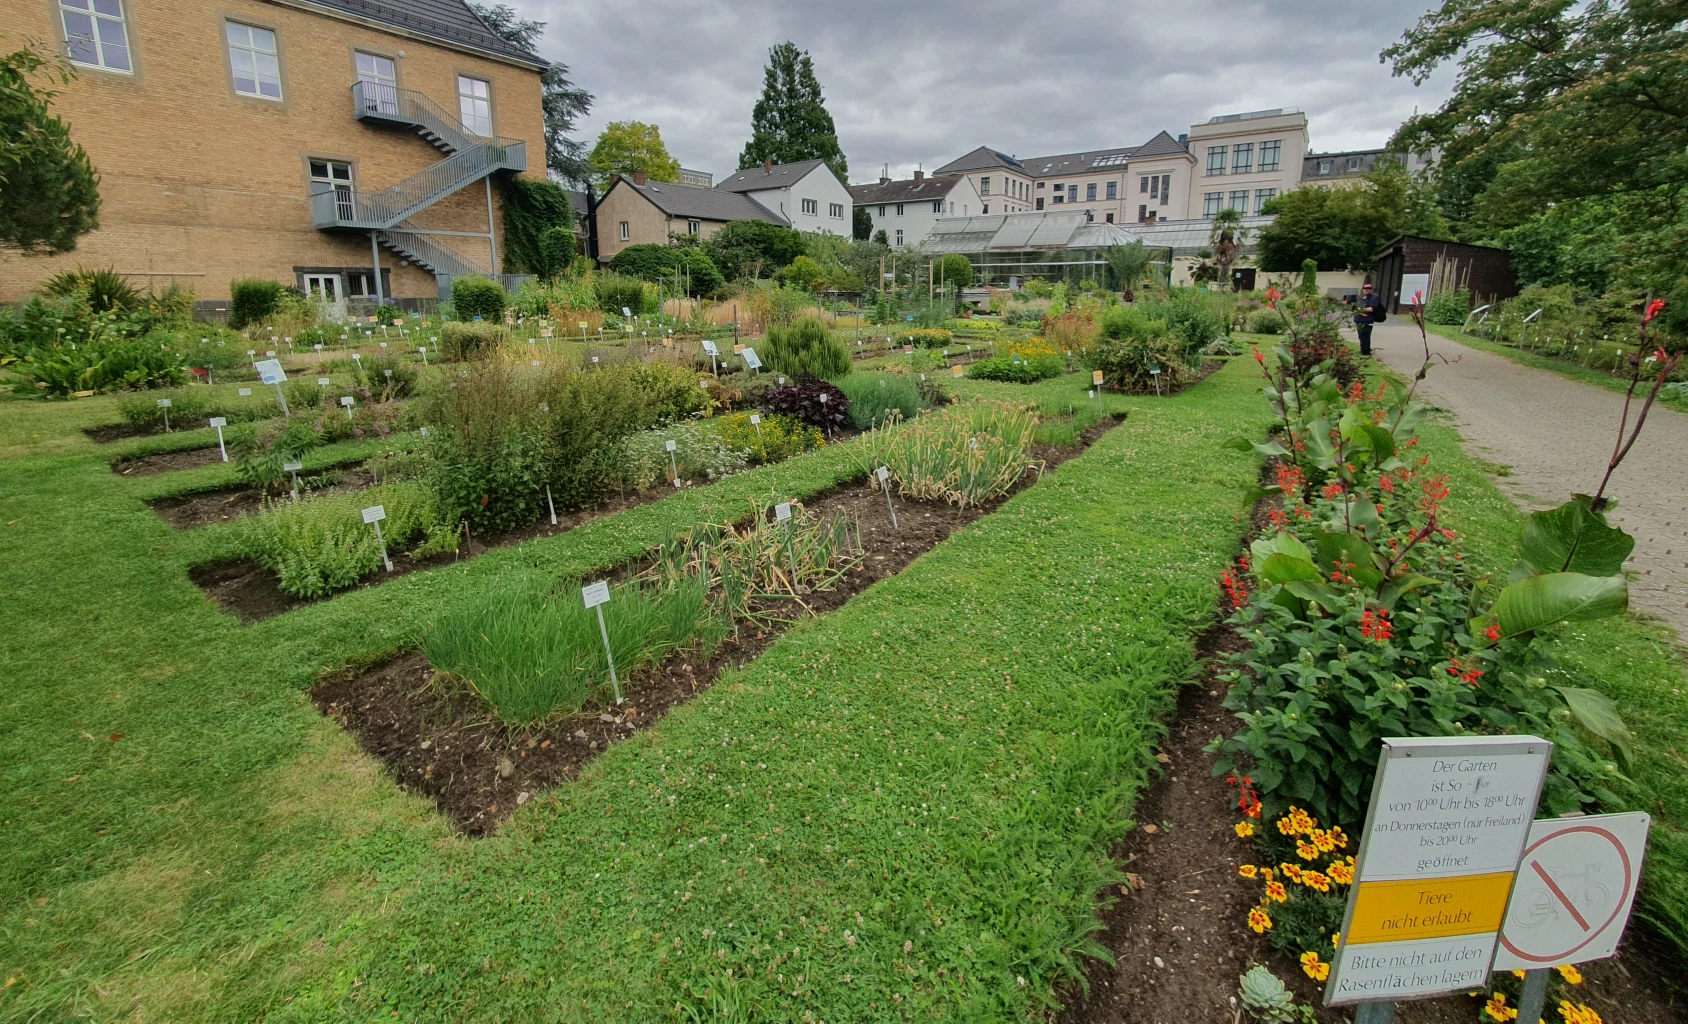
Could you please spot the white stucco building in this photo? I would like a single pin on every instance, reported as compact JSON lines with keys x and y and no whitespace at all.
{"x":807,"y":195}
{"x":906,"y":210}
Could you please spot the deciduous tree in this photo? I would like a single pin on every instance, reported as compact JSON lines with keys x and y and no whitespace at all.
{"x":625,"y":147}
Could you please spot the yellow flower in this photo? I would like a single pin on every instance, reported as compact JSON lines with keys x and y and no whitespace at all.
{"x":1286,"y":825}
{"x":1306,"y":851}
{"x":1518,"y":974}
{"x":1304,"y":822}
{"x":1244,"y":829}
{"x":1314,"y":968}
{"x":1335,"y":939}
{"x":1339,"y":837}
{"x":1248,"y":870}
{"x":1258,"y":920}
{"x":1291,"y":871}
{"x":1341,"y":873}
{"x":1579,"y":1014}
{"x":1570,"y":973}
{"x":1323,"y":841}
{"x":1498,"y":1010}
{"x":1315,"y":880}
{"x":1276,"y":891}
{"x":1267,"y":874}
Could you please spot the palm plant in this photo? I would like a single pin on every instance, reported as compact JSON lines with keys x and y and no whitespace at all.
{"x":1227,"y":235}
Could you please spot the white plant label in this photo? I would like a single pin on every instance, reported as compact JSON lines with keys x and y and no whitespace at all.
{"x":246,"y":392}
{"x":346,"y":400}
{"x":164,"y":403}
{"x":709,"y":348}
{"x":669,"y":446}
{"x":270,"y":353}
{"x":270,"y":371}
{"x":594,"y":359}
{"x":322,"y":382}
{"x":219,"y":421}
{"x":374,"y":514}
{"x":782,"y":512}
{"x":882,"y":473}
{"x":751,"y":359}
{"x":294,"y":467}
{"x":595,"y":594}
{"x":626,"y":312}
{"x":755,"y":420}
{"x":823,"y":398}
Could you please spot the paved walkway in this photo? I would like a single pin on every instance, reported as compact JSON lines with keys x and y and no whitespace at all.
{"x":1556,"y":436}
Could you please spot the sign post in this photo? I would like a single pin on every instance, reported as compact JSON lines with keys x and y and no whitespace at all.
{"x":346,"y":403}
{"x":373,"y":516}
{"x":220,"y":422}
{"x":782,"y":514}
{"x":752,"y":360}
{"x":710,"y":348}
{"x":596,"y":595}
{"x":270,"y":372}
{"x":1448,"y":818}
{"x":756,"y":421}
{"x":292,"y":468}
{"x":673,"y":464}
{"x":164,"y":404}
{"x":884,"y":475}
{"x":551,"y":504}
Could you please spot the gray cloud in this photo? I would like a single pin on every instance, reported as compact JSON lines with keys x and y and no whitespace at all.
{"x":921,"y":84}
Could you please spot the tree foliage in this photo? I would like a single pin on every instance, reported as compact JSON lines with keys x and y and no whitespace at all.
{"x":563,"y":102}
{"x":790,"y":121}
{"x":1343,"y":228}
{"x":531,"y":209}
{"x":753,"y":248}
{"x":49,"y":191}
{"x":861,"y":224}
{"x":953,"y":270}
{"x":628,"y":146}
{"x":688,"y":266}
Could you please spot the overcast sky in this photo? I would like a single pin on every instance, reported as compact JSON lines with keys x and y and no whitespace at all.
{"x":921,"y":83}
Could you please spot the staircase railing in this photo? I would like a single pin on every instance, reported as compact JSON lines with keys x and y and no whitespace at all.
{"x":383,"y":101}
{"x":344,"y":208}
{"x":430,"y":251}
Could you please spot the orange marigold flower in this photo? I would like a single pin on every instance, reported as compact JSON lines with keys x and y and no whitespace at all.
{"x":1315,"y":880}
{"x":1341,"y":873}
{"x":1314,"y":968}
{"x":1259,"y":920}
{"x":1291,"y":871}
{"x":1248,"y":870}
{"x":1498,"y":1010}
{"x":1275,"y":891}
{"x":1323,"y":840}
{"x":1570,"y":973}
{"x":1306,"y":851}
{"x":1244,"y":829}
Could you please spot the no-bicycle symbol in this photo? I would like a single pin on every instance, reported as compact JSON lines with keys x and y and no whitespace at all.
{"x":1575,"y":883}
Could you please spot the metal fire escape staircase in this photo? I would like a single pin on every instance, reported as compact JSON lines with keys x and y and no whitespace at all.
{"x":387,"y":212}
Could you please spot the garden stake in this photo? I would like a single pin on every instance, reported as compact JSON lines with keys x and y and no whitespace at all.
{"x":164,"y":403}
{"x":672,"y":462}
{"x":219,"y":422}
{"x":885,"y":482}
{"x":782,"y":513}
{"x":373,"y":517}
{"x":1374,"y":1013}
{"x":595,"y":597}
{"x":1534,"y":996}
{"x":551,"y":504}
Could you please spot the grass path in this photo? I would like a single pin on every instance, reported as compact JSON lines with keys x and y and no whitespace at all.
{"x":902,"y":808}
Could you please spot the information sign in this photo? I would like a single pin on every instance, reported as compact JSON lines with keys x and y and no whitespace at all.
{"x":782,"y":512}
{"x":270,"y":371}
{"x":374,"y":514}
{"x":956,"y":371}
{"x":1575,"y":885}
{"x":595,"y":594}
{"x":709,"y":348}
{"x":1447,"y":820}
{"x":1096,"y":377}
{"x":751,"y":359}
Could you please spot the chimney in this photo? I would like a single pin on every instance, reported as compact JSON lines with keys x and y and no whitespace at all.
{"x":919,"y":176}
{"x":883,"y":180}
{"x":767,"y":165}
{"x":1184,"y":140}
{"x":639,"y":178}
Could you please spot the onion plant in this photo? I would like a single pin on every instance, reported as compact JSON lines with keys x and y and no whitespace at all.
{"x":964,"y":454}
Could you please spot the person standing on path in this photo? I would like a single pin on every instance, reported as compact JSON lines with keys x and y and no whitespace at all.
{"x":1370,"y":312}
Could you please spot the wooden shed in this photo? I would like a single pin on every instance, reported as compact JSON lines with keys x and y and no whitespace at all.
{"x":1411,"y":263}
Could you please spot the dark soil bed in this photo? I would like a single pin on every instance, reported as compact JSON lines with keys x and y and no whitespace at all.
{"x":117,"y":432}
{"x":441,"y":740}
{"x":1177,"y":931}
{"x":168,"y":462}
{"x":187,"y":511}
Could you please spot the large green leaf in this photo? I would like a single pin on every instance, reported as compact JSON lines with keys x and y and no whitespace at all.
{"x":1575,"y":538}
{"x":1350,"y":549}
{"x":1596,"y":713}
{"x":1557,"y":597}
{"x":1312,"y":590}
{"x":1395,"y":588}
{"x":1279,"y":544}
{"x":1381,"y":442}
{"x":1280,"y":568}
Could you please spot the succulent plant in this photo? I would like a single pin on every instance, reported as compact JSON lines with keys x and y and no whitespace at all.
{"x":1265,"y":997}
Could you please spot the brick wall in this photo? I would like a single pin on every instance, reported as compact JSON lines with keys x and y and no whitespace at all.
{"x":204,"y":186}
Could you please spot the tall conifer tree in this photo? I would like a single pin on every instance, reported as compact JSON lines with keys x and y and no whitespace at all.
{"x":790,"y":122}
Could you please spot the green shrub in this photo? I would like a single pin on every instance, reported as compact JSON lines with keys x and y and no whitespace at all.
{"x":1130,"y":346}
{"x":923,"y":337}
{"x":1015,"y":370}
{"x":643,"y":459}
{"x":107,"y":290}
{"x":1448,"y":308}
{"x":804,"y":349}
{"x":474,"y":297}
{"x":1265,"y":321}
{"x":775,"y":439}
{"x":191,"y":406}
{"x":261,"y":455}
{"x":385,"y":378}
{"x":459,"y":340}
{"x":617,"y":292}
{"x":386,"y":314}
{"x":671,"y":391}
{"x":556,"y":252}
{"x":532,"y":651}
{"x":1193,"y":321}
{"x":874,"y":397}
{"x":319,"y":545}
{"x":252,"y":301}
{"x":60,"y":372}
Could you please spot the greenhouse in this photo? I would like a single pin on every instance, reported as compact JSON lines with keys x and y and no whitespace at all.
{"x":1008,"y":249}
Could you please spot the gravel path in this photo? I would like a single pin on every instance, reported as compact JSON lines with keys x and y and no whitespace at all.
{"x":1556,"y":436}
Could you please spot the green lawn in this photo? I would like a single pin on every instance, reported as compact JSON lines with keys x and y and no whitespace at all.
{"x":1524,"y":357}
{"x":901,"y":809}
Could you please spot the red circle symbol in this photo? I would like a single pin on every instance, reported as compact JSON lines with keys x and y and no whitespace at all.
{"x":1530,"y":868}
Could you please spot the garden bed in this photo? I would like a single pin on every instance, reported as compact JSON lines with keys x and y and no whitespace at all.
{"x":443,"y":742}
{"x":1207,"y":369}
{"x":116,"y":432}
{"x":203,"y":508}
{"x":167,"y":462}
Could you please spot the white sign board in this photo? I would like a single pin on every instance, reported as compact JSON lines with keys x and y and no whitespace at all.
{"x":595,"y":594}
{"x":669,"y":446}
{"x":1414,"y":284}
{"x":322,"y":382}
{"x":346,"y":400}
{"x":294,"y":467}
{"x":751,"y":359}
{"x":270,"y":371}
{"x":626,"y":312}
{"x":1447,"y":821}
{"x":709,"y":348}
{"x":782,"y":512}
{"x":246,"y":392}
{"x":219,"y":421}
{"x":883,"y":473}
{"x":755,"y":419}
{"x":1575,"y":886}
{"x":164,"y":403}
{"x":374,"y":513}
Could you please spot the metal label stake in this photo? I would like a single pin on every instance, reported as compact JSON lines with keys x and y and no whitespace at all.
{"x":551,"y":504}
{"x":373,"y":517}
{"x":595,"y":596}
{"x":220,"y":422}
{"x":884,"y":475}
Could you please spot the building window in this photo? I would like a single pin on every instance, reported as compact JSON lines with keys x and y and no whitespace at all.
{"x":836,"y":210}
{"x":1040,"y":184}
{"x":378,"y":83}
{"x":1143,"y":186}
{"x":1113,"y":190}
{"x":474,"y":105}
{"x":1072,"y":193}
{"x":95,"y":33}
{"x":1261,"y":197}
{"x":1166,"y":189}
{"x":334,"y":176}
{"x":811,"y":206}
{"x":1154,"y":187}
{"x":361,"y":284}
{"x":693,"y":227}
{"x":882,"y":209}
{"x":899,"y":236}
{"x":1239,"y":201}
{"x":1353,"y":163}
{"x":252,"y":55}
{"x":1270,"y":153}
{"x":938,"y":207}
{"x":984,"y":208}
{"x":1211,"y":202}
{"x":985,"y":185}
{"x":1142,"y":212}
{"x":1325,"y":166}
{"x":1216,"y":159}
{"x":1060,"y":194}
{"x":1090,"y":192}
{"x":626,"y":232}
{"x":1040,"y":201}
{"x":1110,"y":218}
{"x":899,"y":209}
{"x":1242,"y":158}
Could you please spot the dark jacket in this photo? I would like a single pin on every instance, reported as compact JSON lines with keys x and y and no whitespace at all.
{"x":1367,"y":308}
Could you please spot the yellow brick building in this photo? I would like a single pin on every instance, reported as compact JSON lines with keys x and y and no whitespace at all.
{"x":302,"y":140}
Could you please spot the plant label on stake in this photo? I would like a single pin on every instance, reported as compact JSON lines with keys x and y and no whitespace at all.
{"x":956,"y":371}
{"x":270,"y":372}
{"x":423,"y":350}
{"x":246,"y":392}
{"x":164,"y":404}
{"x":322,"y":382}
{"x":292,"y":468}
{"x":373,"y":516}
{"x":752,"y":360}
{"x":673,"y":463}
{"x":346,"y":403}
{"x":782,"y":514}
{"x":220,"y":422}
{"x":1446,"y":824}
{"x":596,"y":595}
{"x":884,"y":476}
{"x":1096,"y":378}
{"x":551,"y":504}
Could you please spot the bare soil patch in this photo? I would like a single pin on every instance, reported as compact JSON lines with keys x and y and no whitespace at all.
{"x":116,"y":432}
{"x":188,"y":511}
{"x":167,"y":462}
{"x":441,"y":740}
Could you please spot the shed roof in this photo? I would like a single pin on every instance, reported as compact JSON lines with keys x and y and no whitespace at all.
{"x":679,"y":200}
{"x":446,"y":21}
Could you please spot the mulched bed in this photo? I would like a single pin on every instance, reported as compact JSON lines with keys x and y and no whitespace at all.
{"x":116,"y":432}
{"x":1177,"y":930}
{"x":188,"y":511}
{"x":167,"y":462}
{"x":441,"y":740}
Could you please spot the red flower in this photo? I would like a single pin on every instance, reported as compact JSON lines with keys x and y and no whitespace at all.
{"x":1272,"y":297}
{"x":1332,"y":491}
{"x":1257,"y":356}
{"x":1465,"y":673}
{"x":1493,"y":633}
{"x":1375,"y":626}
{"x":1652,"y":310}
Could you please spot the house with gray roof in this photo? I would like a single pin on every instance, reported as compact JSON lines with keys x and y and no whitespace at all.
{"x":638,"y":211}
{"x":806,"y":194}
{"x":906,"y":210}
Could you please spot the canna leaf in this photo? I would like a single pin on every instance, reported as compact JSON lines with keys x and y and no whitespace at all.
{"x":1558,"y":597}
{"x":1595,"y":712}
{"x":1575,"y":538}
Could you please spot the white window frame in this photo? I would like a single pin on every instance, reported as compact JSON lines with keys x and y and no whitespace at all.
{"x":474,"y":109}
{"x":899,"y":209}
{"x":693,"y":227}
{"x":98,"y":21}
{"x":1113,"y":190}
{"x":812,"y":207}
{"x":256,"y":55}
{"x":626,"y":232}
{"x":383,"y":98}
{"x":1275,"y":147}
{"x":836,"y":210}
{"x":938,"y":207}
{"x":899,"y":236}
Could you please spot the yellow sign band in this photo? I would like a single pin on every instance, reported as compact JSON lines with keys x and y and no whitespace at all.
{"x":1429,"y":908}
